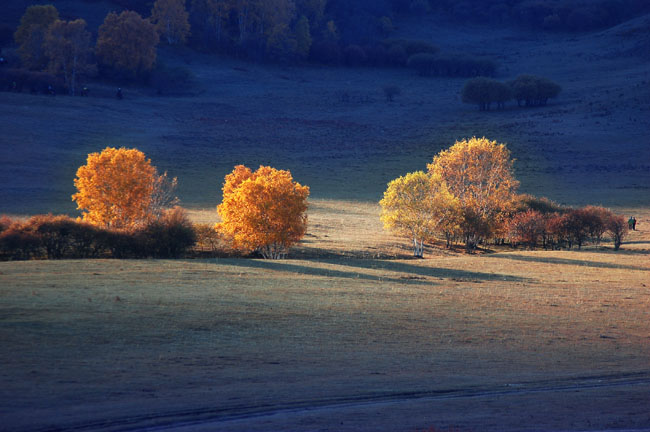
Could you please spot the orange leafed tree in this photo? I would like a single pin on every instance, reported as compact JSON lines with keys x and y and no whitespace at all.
{"x":479,"y":173}
{"x":119,"y":188}
{"x":263,"y":210}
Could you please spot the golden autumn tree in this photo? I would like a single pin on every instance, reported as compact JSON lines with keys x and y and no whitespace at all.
{"x":263,"y":211}
{"x":171,"y":20}
{"x":119,"y":188}
{"x":126,"y":44}
{"x":416,"y":205}
{"x":479,"y":173}
{"x":67,"y":44}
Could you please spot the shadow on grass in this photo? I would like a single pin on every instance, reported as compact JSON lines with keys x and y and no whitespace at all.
{"x":313,"y":271}
{"x":445,"y":273}
{"x":567,"y":261}
{"x":413,"y":274}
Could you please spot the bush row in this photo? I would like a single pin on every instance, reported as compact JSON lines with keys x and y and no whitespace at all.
{"x":19,"y":80}
{"x":422,"y":56}
{"x":557,"y":228}
{"x":527,"y":90}
{"x":57,"y":237}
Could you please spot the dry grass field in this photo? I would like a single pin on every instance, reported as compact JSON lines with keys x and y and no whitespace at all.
{"x":342,"y":341}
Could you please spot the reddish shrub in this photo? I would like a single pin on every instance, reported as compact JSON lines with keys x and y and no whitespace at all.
{"x":527,"y":228}
{"x":617,"y":226}
{"x":17,"y":243}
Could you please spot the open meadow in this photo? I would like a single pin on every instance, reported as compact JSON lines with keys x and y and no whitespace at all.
{"x":350,"y":333}
{"x":351,"y":340}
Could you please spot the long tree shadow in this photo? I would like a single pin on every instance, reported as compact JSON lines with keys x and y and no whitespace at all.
{"x":315,"y":271}
{"x":444,"y":273}
{"x":566,"y":261}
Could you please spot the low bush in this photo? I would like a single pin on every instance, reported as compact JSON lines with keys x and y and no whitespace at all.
{"x":166,"y":80}
{"x":168,"y":237}
{"x":57,"y":237}
{"x":530,"y":90}
{"x":412,"y":46}
{"x":390,"y":91}
{"x":424,"y":64}
{"x":484,"y":92}
{"x":19,"y":80}
{"x":354,"y":55}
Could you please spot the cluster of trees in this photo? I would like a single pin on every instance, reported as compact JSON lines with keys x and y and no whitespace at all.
{"x":129,"y":210}
{"x":469,"y":194}
{"x":527,"y":90}
{"x":126,"y":45}
{"x":558,"y":227}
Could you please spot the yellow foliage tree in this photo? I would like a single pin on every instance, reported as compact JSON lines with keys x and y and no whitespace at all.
{"x":263,"y":210}
{"x":127,"y":43}
{"x":417,"y":205}
{"x":119,"y":188}
{"x":479,"y":173}
{"x":67,"y":44}
{"x":171,"y":20}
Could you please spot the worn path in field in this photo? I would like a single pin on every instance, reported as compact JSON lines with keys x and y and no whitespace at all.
{"x":337,"y":409}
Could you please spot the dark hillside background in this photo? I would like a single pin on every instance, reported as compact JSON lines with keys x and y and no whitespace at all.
{"x":331,"y":124}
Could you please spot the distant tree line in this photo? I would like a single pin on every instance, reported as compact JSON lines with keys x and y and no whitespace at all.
{"x":527,"y":90}
{"x":324,"y":31}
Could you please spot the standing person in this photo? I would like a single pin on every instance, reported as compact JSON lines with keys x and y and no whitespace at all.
{"x":630,"y":222}
{"x":633,"y":223}
{"x":119,"y":93}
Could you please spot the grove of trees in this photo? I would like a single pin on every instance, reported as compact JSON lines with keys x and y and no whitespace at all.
{"x":527,"y":90}
{"x":469,"y":194}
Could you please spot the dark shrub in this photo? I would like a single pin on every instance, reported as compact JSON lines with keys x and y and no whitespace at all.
{"x":533,"y":91}
{"x":172,"y":80}
{"x":396,"y":55}
{"x":424,"y":64}
{"x":354,"y":55}
{"x":390,"y":91}
{"x":325,"y":51}
{"x":54,"y":232}
{"x":6,"y":35}
{"x":377,"y":55}
{"x":17,"y":243}
{"x":36,"y":82}
{"x":170,"y":236}
{"x":412,"y":46}
{"x":124,"y":244}
{"x":485,"y":91}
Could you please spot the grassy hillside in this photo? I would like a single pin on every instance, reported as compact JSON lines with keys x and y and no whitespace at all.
{"x":588,"y":146}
